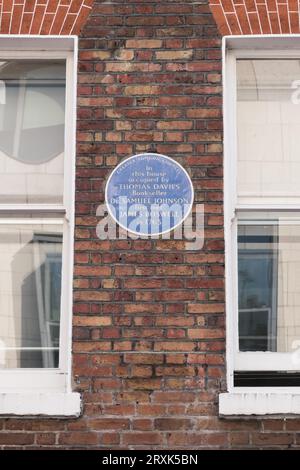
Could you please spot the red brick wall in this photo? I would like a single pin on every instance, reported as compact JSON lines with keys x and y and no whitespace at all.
{"x":149,"y":315}
{"x":149,"y":351}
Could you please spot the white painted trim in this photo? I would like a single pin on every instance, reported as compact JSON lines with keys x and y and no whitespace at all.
{"x":255,"y":403}
{"x":70,"y":175}
{"x":234,"y":47}
{"x":257,"y":42}
{"x":268,"y":207}
{"x":51,"y":388}
{"x":260,"y":360}
{"x":266,"y":53}
{"x":267,"y":390}
{"x":56,"y":208}
{"x":229,"y":96}
{"x":30,"y":221}
{"x":40,"y":404}
{"x":256,"y":221}
{"x":37,"y":54}
{"x":32,"y":380}
{"x":26,"y":42}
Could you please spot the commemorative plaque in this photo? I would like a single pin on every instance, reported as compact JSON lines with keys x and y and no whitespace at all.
{"x":149,"y":194}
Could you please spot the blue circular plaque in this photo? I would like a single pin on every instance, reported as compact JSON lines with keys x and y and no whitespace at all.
{"x":149,"y":194}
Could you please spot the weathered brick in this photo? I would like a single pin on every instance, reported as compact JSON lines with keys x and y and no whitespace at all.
{"x":205,"y":333}
{"x":169,"y":424}
{"x":142,"y":438}
{"x":16,"y":438}
{"x":78,"y":438}
{"x":144,"y":43}
{"x":272,"y":439}
{"x":91,"y":321}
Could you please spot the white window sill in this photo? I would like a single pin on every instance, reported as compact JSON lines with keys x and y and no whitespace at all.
{"x":252,"y":403}
{"x":40,"y":404}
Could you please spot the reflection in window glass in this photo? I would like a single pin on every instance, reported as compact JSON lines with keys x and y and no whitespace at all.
{"x":30,"y":294}
{"x":32,"y":116}
{"x":269,"y":283}
{"x":268,"y":129}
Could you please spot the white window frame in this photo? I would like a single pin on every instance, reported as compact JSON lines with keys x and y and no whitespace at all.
{"x":249,"y":400}
{"x":48,"y":391}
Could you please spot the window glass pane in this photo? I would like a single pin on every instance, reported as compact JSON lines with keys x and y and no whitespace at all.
{"x":32,"y":116}
{"x":268,"y":128}
{"x":269,"y":283}
{"x":30,"y":293}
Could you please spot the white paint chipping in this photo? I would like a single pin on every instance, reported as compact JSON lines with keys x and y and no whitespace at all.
{"x":251,"y":403}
